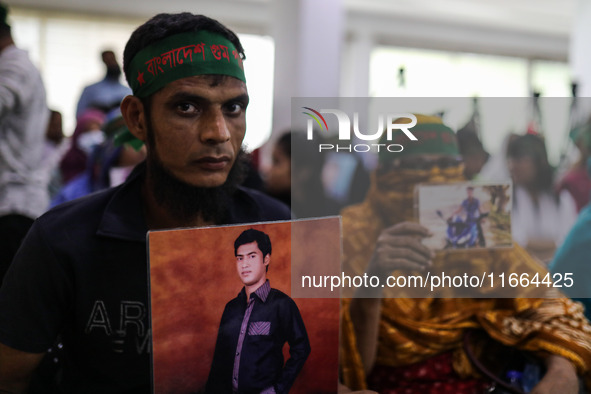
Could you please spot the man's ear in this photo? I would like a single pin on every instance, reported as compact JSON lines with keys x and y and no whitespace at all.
{"x":267,"y":259}
{"x":132,"y":110}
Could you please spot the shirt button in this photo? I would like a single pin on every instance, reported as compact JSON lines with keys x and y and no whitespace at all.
{"x":242,"y":332}
{"x":238,"y":353}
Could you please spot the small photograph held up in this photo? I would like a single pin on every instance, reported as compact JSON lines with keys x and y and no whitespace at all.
{"x":465,"y":215}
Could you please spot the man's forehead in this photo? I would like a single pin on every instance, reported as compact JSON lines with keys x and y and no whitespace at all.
{"x":251,"y":247}
{"x":207,"y":82}
{"x":214,"y":87}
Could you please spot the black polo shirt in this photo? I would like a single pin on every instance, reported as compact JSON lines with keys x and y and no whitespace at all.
{"x":82,"y":272}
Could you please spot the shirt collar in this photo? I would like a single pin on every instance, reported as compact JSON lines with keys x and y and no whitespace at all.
{"x":262,"y":292}
{"x":123,"y":217}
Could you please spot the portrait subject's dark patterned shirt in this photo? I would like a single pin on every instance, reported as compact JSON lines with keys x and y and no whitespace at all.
{"x":248,"y":355}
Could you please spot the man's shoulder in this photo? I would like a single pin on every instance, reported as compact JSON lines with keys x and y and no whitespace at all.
{"x":253,"y":205}
{"x":280,"y":296}
{"x":116,"y":206}
{"x":234,"y":303}
{"x":79,"y":210}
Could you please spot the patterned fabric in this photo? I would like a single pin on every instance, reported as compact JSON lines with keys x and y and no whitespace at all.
{"x":415,"y":330}
{"x":262,"y":292}
{"x":434,"y":376}
{"x":259,"y":328}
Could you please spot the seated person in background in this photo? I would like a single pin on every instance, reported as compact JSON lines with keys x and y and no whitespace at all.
{"x":414,"y":345}
{"x":53,"y":151}
{"x":86,"y":135}
{"x":278,"y":176}
{"x":541,"y":217}
{"x":108,"y":164}
{"x":576,"y":180}
{"x":296,"y":176}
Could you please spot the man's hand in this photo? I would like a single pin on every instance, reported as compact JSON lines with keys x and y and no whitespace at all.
{"x":400,"y":247}
{"x":16,"y":369}
{"x":560,"y":377}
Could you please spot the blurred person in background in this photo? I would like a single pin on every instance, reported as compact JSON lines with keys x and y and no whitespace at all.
{"x":54,"y":150}
{"x":496,"y":169}
{"x":541,"y":217}
{"x":295,"y":176}
{"x":396,"y":345}
{"x":108,"y":165}
{"x":278,"y":176}
{"x":345,"y":176}
{"x":23,"y":121}
{"x":576,"y":180}
{"x":87,"y":135}
{"x":473,"y":153}
{"x":572,"y":258}
{"x":106,"y":94}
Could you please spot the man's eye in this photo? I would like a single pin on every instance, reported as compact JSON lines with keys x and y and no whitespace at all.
{"x":235,"y":108}
{"x":187,"y":107}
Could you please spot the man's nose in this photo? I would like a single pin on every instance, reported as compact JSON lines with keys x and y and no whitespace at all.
{"x":215,"y":129}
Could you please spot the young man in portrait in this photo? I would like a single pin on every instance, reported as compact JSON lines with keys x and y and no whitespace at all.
{"x":255,"y":326}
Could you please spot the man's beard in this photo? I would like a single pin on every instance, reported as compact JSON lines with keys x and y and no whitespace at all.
{"x":185,"y":202}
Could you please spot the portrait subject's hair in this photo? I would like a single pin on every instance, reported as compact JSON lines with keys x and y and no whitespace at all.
{"x":251,"y":235}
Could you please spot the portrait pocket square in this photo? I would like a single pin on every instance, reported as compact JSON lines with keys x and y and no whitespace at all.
{"x":259,"y":328}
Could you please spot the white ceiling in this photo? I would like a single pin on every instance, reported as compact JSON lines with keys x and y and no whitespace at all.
{"x":543,"y":16}
{"x":527,"y":28}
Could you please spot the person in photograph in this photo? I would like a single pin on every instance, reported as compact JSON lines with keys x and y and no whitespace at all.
{"x":82,"y":271}
{"x":470,"y":206}
{"x":255,"y":326}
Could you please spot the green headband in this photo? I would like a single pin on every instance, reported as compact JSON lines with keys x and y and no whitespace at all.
{"x":180,"y":56}
{"x":432,"y":138}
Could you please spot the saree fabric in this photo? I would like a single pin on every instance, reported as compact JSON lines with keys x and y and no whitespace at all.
{"x":414,"y":330}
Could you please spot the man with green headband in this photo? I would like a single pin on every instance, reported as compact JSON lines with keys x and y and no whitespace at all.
{"x":82,"y":270}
